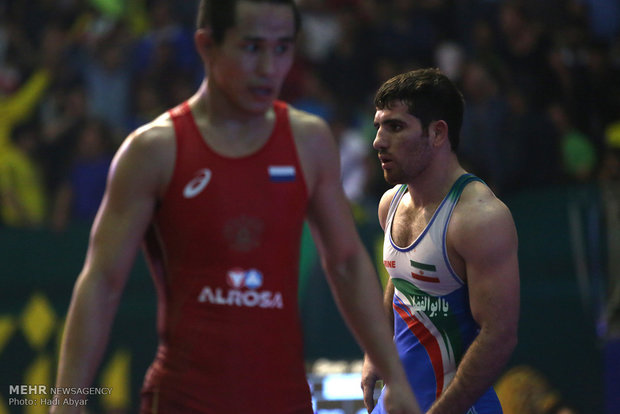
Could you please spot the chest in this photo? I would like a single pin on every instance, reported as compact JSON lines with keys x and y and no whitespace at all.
{"x":217,"y":210}
{"x":409,"y":223}
{"x":424,"y":236}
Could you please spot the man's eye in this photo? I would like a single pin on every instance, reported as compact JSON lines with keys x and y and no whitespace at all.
{"x":281,"y":49}
{"x":250,"y":47}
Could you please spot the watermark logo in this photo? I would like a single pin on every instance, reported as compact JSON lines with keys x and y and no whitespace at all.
{"x":35,"y":395}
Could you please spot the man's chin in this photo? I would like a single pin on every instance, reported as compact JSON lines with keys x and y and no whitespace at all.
{"x":390,"y":179}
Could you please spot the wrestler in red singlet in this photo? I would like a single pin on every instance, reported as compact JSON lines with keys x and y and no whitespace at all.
{"x":224,"y":254}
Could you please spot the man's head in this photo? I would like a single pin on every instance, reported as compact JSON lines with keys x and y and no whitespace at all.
{"x":429,"y":95}
{"x":221,"y":15}
{"x":248,"y":49}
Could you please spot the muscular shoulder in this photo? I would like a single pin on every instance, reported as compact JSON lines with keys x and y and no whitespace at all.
{"x":481,"y":223}
{"x":316,"y":147}
{"x":148,"y":153}
{"x":308,"y":128}
{"x":384,"y":205}
{"x":154,"y":136}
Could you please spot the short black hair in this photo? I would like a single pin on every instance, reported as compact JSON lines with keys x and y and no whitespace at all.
{"x":430,"y":96}
{"x":220,"y":15}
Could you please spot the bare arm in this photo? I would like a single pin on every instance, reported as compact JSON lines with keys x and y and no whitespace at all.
{"x":388,"y":294}
{"x":486,"y":239}
{"x":349,"y":270}
{"x":370,"y":375}
{"x":116,"y":235}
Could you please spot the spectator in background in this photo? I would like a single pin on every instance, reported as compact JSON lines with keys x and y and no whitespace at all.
{"x":484,"y":48}
{"x":147,"y":103}
{"x":577,"y":151}
{"x":18,"y":100}
{"x":346,"y":69}
{"x":62,"y":114}
{"x":523,"y":46}
{"x":507,"y":37}
{"x":450,"y":59}
{"x":107,"y":80}
{"x":165,"y":52}
{"x":80,"y":195}
{"x":405,"y":33}
{"x":354,"y":157}
{"x":604,"y":18}
{"x":486,"y":113}
{"x":531,"y":147}
{"x":321,"y":29}
{"x":599,"y":91}
{"x":22,"y":196}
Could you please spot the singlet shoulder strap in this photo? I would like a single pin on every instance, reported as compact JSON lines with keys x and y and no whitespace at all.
{"x":282,"y":127}
{"x":444,"y":212}
{"x":400,"y":192}
{"x":183,"y":121}
{"x":180,"y":110}
{"x":280,"y":106}
{"x":460,"y":184}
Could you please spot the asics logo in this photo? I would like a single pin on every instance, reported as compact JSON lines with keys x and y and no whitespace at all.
{"x":197,"y":184}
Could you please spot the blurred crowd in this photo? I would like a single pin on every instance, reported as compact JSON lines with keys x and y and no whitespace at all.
{"x":541,"y":82}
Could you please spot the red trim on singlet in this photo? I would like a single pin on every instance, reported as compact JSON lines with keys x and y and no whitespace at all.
{"x":431,"y":346}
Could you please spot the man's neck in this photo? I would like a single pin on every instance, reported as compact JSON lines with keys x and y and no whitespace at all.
{"x":225,"y":128}
{"x":214,"y":105}
{"x":432,"y":185}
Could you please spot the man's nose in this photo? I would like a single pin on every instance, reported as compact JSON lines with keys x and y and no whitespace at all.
{"x":379,"y":142}
{"x":266,"y":63}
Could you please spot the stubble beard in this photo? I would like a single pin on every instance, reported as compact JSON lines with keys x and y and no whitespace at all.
{"x":393,"y":177}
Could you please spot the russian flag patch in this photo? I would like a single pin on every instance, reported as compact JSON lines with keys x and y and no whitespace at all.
{"x":281,"y":173}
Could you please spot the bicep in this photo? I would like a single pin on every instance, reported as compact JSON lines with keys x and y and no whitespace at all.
{"x":329,"y":213}
{"x":123,"y":216}
{"x":492,"y":269}
{"x":331,"y":221}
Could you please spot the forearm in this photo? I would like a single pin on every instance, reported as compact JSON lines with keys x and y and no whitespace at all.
{"x":358,"y":295}
{"x":388,"y":300}
{"x":90,"y":317}
{"x":477,"y":371}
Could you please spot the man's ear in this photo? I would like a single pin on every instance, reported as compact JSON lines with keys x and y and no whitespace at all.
{"x":203,"y":40}
{"x":438,"y":131}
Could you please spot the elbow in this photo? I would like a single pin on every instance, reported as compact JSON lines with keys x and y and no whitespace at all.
{"x":511,"y":344}
{"x":98,"y":286}
{"x":509,"y":341}
{"x":342,"y":267}
{"x":503,"y":340}
{"x":511,"y":334}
